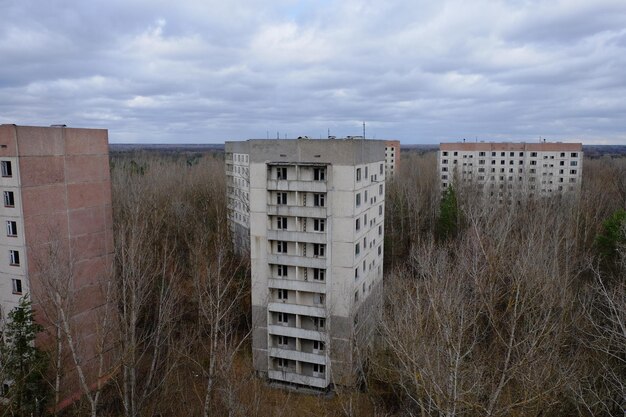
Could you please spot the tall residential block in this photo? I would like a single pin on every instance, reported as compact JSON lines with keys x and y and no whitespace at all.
{"x":392,"y":158}
{"x":315,"y":210}
{"x":503,"y":170}
{"x":56,"y":211}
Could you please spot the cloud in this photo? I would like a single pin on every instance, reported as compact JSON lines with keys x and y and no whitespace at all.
{"x":420,"y":71}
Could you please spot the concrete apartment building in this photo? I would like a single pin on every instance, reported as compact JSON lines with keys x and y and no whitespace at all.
{"x":392,"y":158}
{"x":316,"y":229}
{"x":503,"y":170}
{"x":56,"y":193}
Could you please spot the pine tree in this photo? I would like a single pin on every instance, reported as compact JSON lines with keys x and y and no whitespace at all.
{"x":448,"y":221}
{"x":24,"y":364}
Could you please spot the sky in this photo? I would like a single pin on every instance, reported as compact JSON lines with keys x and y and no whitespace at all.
{"x":205,"y":71}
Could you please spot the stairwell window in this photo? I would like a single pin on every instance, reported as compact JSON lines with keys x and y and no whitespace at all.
{"x":282,"y":270}
{"x":319,"y":174}
{"x":14,"y":257}
{"x":283,"y":294}
{"x":358,"y":174}
{"x":283,"y":341}
{"x":281,"y":246}
{"x":283,"y":318}
{"x":7,"y":170}
{"x":358,"y":199}
{"x":357,"y":249}
{"x":9,"y":199}
{"x":281,"y":223}
{"x":11,"y":228}
{"x":281,"y":173}
{"x":281,"y":198}
{"x":17,"y":286}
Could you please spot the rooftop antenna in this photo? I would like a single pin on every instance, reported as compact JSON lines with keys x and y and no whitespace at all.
{"x":277,"y":135}
{"x":363,"y":129}
{"x":329,"y":133}
{"x":268,"y":134}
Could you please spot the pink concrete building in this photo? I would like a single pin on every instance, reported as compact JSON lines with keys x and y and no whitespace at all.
{"x":392,"y":158}
{"x":57,"y":198}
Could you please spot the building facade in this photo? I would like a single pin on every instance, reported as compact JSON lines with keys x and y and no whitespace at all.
{"x":316,"y":230}
{"x":504,"y":170}
{"x":56,"y":198}
{"x":392,"y":158}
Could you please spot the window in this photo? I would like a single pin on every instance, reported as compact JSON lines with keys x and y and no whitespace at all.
{"x":319,"y":225}
{"x":380,"y":250}
{"x":358,"y":199}
{"x":573,"y":163}
{"x":283,"y":318}
{"x":445,"y":153}
{"x":533,"y":154}
{"x":356,"y":296}
{"x":445,"y":161}
{"x":283,"y":341}
{"x":319,"y":274}
{"x":281,"y":173}
{"x":14,"y":257}
{"x":319,"y":174}
{"x":7,"y":171}
{"x":319,"y":323}
{"x":9,"y":199}
{"x":481,"y":154}
{"x":281,"y":246}
{"x":380,"y":209}
{"x":365,"y":197}
{"x":282,"y":363}
{"x":319,"y":249}
{"x":281,"y":198}
{"x":381,"y":169}
{"x":318,"y":346}
{"x":357,"y":249}
{"x":356,"y":273}
{"x":358,"y":224}
{"x":282,"y":270}
{"x":281,"y":223}
{"x":561,"y":163}
{"x":283,"y":294}
{"x":573,"y":172}
{"x":533,"y":162}
{"x":318,"y":370}
{"x":17,"y":286}
{"x":366,"y":173}
{"x":318,"y":298}
{"x":11,"y":228}
{"x":358,"y":174}
{"x":380,"y":230}
{"x":319,"y":200}
{"x":574,"y":155}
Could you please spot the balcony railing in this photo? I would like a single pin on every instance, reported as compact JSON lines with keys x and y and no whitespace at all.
{"x":297,"y":185}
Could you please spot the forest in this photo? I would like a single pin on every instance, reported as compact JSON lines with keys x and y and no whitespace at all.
{"x":491,"y":309}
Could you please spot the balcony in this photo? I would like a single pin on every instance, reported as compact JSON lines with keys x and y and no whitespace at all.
{"x":279,"y":330}
{"x":297,"y":185}
{"x":296,"y":355}
{"x":297,"y":285}
{"x":294,"y":260}
{"x":298,"y":378}
{"x":296,"y":211}
{"x":302,"y":310}
{"x":294,"y":236}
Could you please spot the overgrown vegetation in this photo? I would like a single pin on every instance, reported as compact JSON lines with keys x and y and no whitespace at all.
{"x":509,"y":312}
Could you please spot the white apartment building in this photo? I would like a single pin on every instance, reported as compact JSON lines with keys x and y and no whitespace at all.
{"x":503,"y":170}
{"x":238,"y":194}
{"x":316,"y":216}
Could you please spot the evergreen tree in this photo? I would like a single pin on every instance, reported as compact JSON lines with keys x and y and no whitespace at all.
{"x":613,"y":235}
{"x":24,"y":364}
{"x":448,"y":221}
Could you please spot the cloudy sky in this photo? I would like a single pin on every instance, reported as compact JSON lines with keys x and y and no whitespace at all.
{"x":205,"y":71}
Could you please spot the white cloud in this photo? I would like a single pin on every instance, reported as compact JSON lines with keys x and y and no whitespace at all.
{"x":421,"y":71}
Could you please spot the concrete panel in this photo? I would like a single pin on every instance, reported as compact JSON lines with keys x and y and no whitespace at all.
{"x":259,"y":360}
{"x":41,"y":170}
{"x":43,"y":199}
{"x":8,"y":140}
{"x":81,"y":195}
{"x":86,"y":168}
{"x":40,"y":141}
{"x":90,"y":272}
{"x":86,"y":141}
{"x":88,"y":220}
{"x":88,"y":246}
{"x":45,"y":228}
